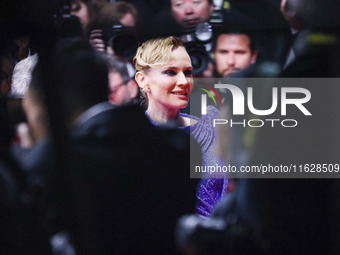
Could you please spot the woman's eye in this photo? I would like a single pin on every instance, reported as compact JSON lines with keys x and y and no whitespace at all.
{"x":187,"y":72}
{"x":170,"y":72}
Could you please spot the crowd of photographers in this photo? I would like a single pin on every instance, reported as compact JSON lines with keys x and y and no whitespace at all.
{"x":252,"y":39}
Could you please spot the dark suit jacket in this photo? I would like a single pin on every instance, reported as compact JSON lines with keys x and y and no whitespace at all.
{"x":120,"y":183}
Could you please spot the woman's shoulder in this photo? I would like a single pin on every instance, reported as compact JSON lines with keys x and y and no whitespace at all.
{"x":212,"y":112}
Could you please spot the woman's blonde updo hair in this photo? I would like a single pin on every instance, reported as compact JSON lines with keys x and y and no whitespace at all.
{"x":155,"y":52}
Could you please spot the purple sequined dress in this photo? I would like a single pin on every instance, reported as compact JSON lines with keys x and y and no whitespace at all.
{"x":209,"y":190}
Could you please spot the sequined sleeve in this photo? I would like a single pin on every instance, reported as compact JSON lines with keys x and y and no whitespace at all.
{"x":210,"y":190}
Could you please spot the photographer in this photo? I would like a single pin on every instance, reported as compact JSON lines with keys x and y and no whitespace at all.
{"x":115,"y":32}
{"x":87,"y":11}
{"x":189,"y":13}
{"x":233,"y":53}
{"x":112,"y":19}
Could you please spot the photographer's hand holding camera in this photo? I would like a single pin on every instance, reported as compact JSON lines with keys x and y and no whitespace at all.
{"x":114,"y":20}
{"x":96,"y":40}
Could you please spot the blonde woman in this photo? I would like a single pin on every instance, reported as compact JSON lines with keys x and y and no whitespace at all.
{"x":164,"y":74}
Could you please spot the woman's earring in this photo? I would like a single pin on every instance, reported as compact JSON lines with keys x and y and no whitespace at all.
{"x":146,"y":89}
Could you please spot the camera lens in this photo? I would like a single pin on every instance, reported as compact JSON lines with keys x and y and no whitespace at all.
{"x":198,"y":63}
{"x":203,"y":31}
{"x":199,"y":57}
{"x":125,"y":45}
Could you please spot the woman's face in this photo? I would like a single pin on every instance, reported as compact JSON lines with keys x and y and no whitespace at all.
{"x":80,"y":10}
{"x":170,"y":85}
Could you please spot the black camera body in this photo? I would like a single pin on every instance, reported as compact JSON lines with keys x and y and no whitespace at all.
{"x":115,"y":29}
{"x":199,"y":44}
{"x":66,"y":24}
{"x":121,"y":39}
{"x":198,"y":53}
{"x":227,"y":231}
